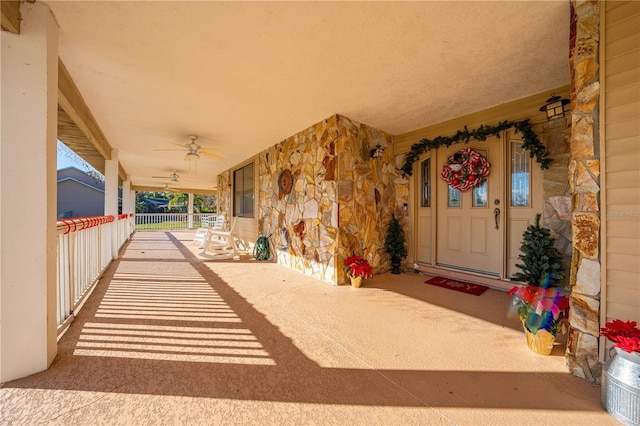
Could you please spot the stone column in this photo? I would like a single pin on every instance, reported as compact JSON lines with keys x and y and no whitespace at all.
{"x":28,"y":123}
{"x":584,"y":174}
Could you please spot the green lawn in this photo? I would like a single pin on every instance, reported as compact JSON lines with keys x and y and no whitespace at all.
{"x":168,"y":225}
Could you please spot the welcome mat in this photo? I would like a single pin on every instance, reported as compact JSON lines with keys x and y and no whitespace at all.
{"x":456,"y":285}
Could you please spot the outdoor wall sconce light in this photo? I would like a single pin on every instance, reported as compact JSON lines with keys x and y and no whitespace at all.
{"x":377,"y":152}
{"x":556,"y":107}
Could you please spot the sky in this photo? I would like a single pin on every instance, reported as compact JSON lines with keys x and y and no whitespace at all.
{"x":66,"y":158}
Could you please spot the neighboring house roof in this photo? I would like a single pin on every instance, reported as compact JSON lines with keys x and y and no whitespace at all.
{"x":158,"y":202}
{"x":80,"y":183}
{"x":80,"y":194}
{"x":73,"y":174}
{"x":80,"y":176}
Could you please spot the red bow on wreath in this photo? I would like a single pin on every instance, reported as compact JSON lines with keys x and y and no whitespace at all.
{"x":465,"y":169}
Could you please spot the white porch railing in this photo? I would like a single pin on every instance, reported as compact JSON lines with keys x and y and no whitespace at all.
{"x":84,"y":250}
{"x":172,"y":221}
{"x":83,"y":253}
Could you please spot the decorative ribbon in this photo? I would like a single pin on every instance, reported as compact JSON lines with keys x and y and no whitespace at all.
{"x":465,"y":169}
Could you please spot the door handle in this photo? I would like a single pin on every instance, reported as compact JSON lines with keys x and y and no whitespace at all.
{"x":496,"y":216}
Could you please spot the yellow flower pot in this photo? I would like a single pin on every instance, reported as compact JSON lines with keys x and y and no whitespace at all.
{"x":541,"y":342}
{"x":355,"y":281}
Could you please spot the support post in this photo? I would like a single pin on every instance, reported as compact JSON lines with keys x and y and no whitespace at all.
{"x":111,"y":197}
{"x":28,"y":129}
{"x":127,"y":201}
{"x":190,"y":211}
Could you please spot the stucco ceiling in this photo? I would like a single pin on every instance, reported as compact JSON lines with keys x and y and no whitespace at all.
{"x":246,"y":75}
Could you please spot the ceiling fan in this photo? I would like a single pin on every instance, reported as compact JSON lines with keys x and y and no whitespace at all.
{"x":195,"y":150}
{"x":168,"y":189}
{"x":173,"y":177}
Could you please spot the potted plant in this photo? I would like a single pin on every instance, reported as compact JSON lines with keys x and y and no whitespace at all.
{"x":620,"y":391}
{"x":542,"y":307}
{"x":543,"y":312}
{"x":541,"y":261}
{"x":357,"y":269}
{"x":625,"y":335}
{"x":395,"y":244}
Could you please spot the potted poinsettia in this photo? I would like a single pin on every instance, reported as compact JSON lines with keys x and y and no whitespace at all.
{"x":625,"y":335}
{"x":542,"y":305}
{"x":620,"y":390}
{"x":357,"y":269}
{"x":543,"y":312}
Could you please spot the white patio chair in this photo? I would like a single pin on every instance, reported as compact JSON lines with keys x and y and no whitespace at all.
{"x":201,"y":233}
{"x":220,"y":244}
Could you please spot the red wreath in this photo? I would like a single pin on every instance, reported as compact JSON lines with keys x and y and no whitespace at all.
{"x":465,"y":169}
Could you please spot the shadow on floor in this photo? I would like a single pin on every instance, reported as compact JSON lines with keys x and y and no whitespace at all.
{"x":171,"y":326}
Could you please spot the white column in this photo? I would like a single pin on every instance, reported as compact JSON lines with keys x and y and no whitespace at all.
{"x":28,"y":123}
{"x":111,"y":197}
{"x":126,"y":196}
{"x":126,"y":199}
{"x":132,"y":206}
{"x":190,"y":210}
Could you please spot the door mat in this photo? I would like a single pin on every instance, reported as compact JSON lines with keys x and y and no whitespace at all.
{"x":456,"y":285}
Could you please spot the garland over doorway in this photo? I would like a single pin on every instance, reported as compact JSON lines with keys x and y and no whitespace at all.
{"x":530,"y":142}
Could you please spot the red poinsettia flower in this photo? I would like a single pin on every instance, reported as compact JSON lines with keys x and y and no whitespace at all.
{"x":629,"y":344}
{"x":541,"y":308}
{"x":355,"y":266}
{"x":624,"y":334}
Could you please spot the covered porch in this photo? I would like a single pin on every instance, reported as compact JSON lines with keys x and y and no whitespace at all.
{"x":166,"y":338}
{"x":396,"y":351}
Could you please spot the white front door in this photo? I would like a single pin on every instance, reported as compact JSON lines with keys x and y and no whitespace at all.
{"x":470,"y":224}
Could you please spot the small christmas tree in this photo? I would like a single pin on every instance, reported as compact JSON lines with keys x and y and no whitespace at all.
{"x":541,"y":262}
{"x":395,"y":244}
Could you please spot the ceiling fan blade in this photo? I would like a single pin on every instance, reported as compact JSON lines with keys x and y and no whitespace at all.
{"x":161,"y":177}
{"x":168,"y":149}
{"x":210,"y":150}
{"x":183,"y":146}
{"x":212,"y":156}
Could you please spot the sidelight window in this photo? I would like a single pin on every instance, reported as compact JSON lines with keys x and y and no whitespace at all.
{"x":520,"y":175}
{"x":426,"y":183}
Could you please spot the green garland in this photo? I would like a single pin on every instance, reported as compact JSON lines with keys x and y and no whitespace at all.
{"x":531,"y":142}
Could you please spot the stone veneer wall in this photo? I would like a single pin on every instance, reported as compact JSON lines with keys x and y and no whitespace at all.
{"x":341,"y":201}
{"x":224,"y":194}
{"x":555,"y":135}
{"x":366,"y":194}
{"x":584,"y":174}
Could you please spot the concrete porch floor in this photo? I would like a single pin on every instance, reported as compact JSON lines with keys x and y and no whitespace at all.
{"x":168,"y":339}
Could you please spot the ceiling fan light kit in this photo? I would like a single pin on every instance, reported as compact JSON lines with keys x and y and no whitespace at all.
{"x":193,"y":154}
{"x":168,"y":189}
